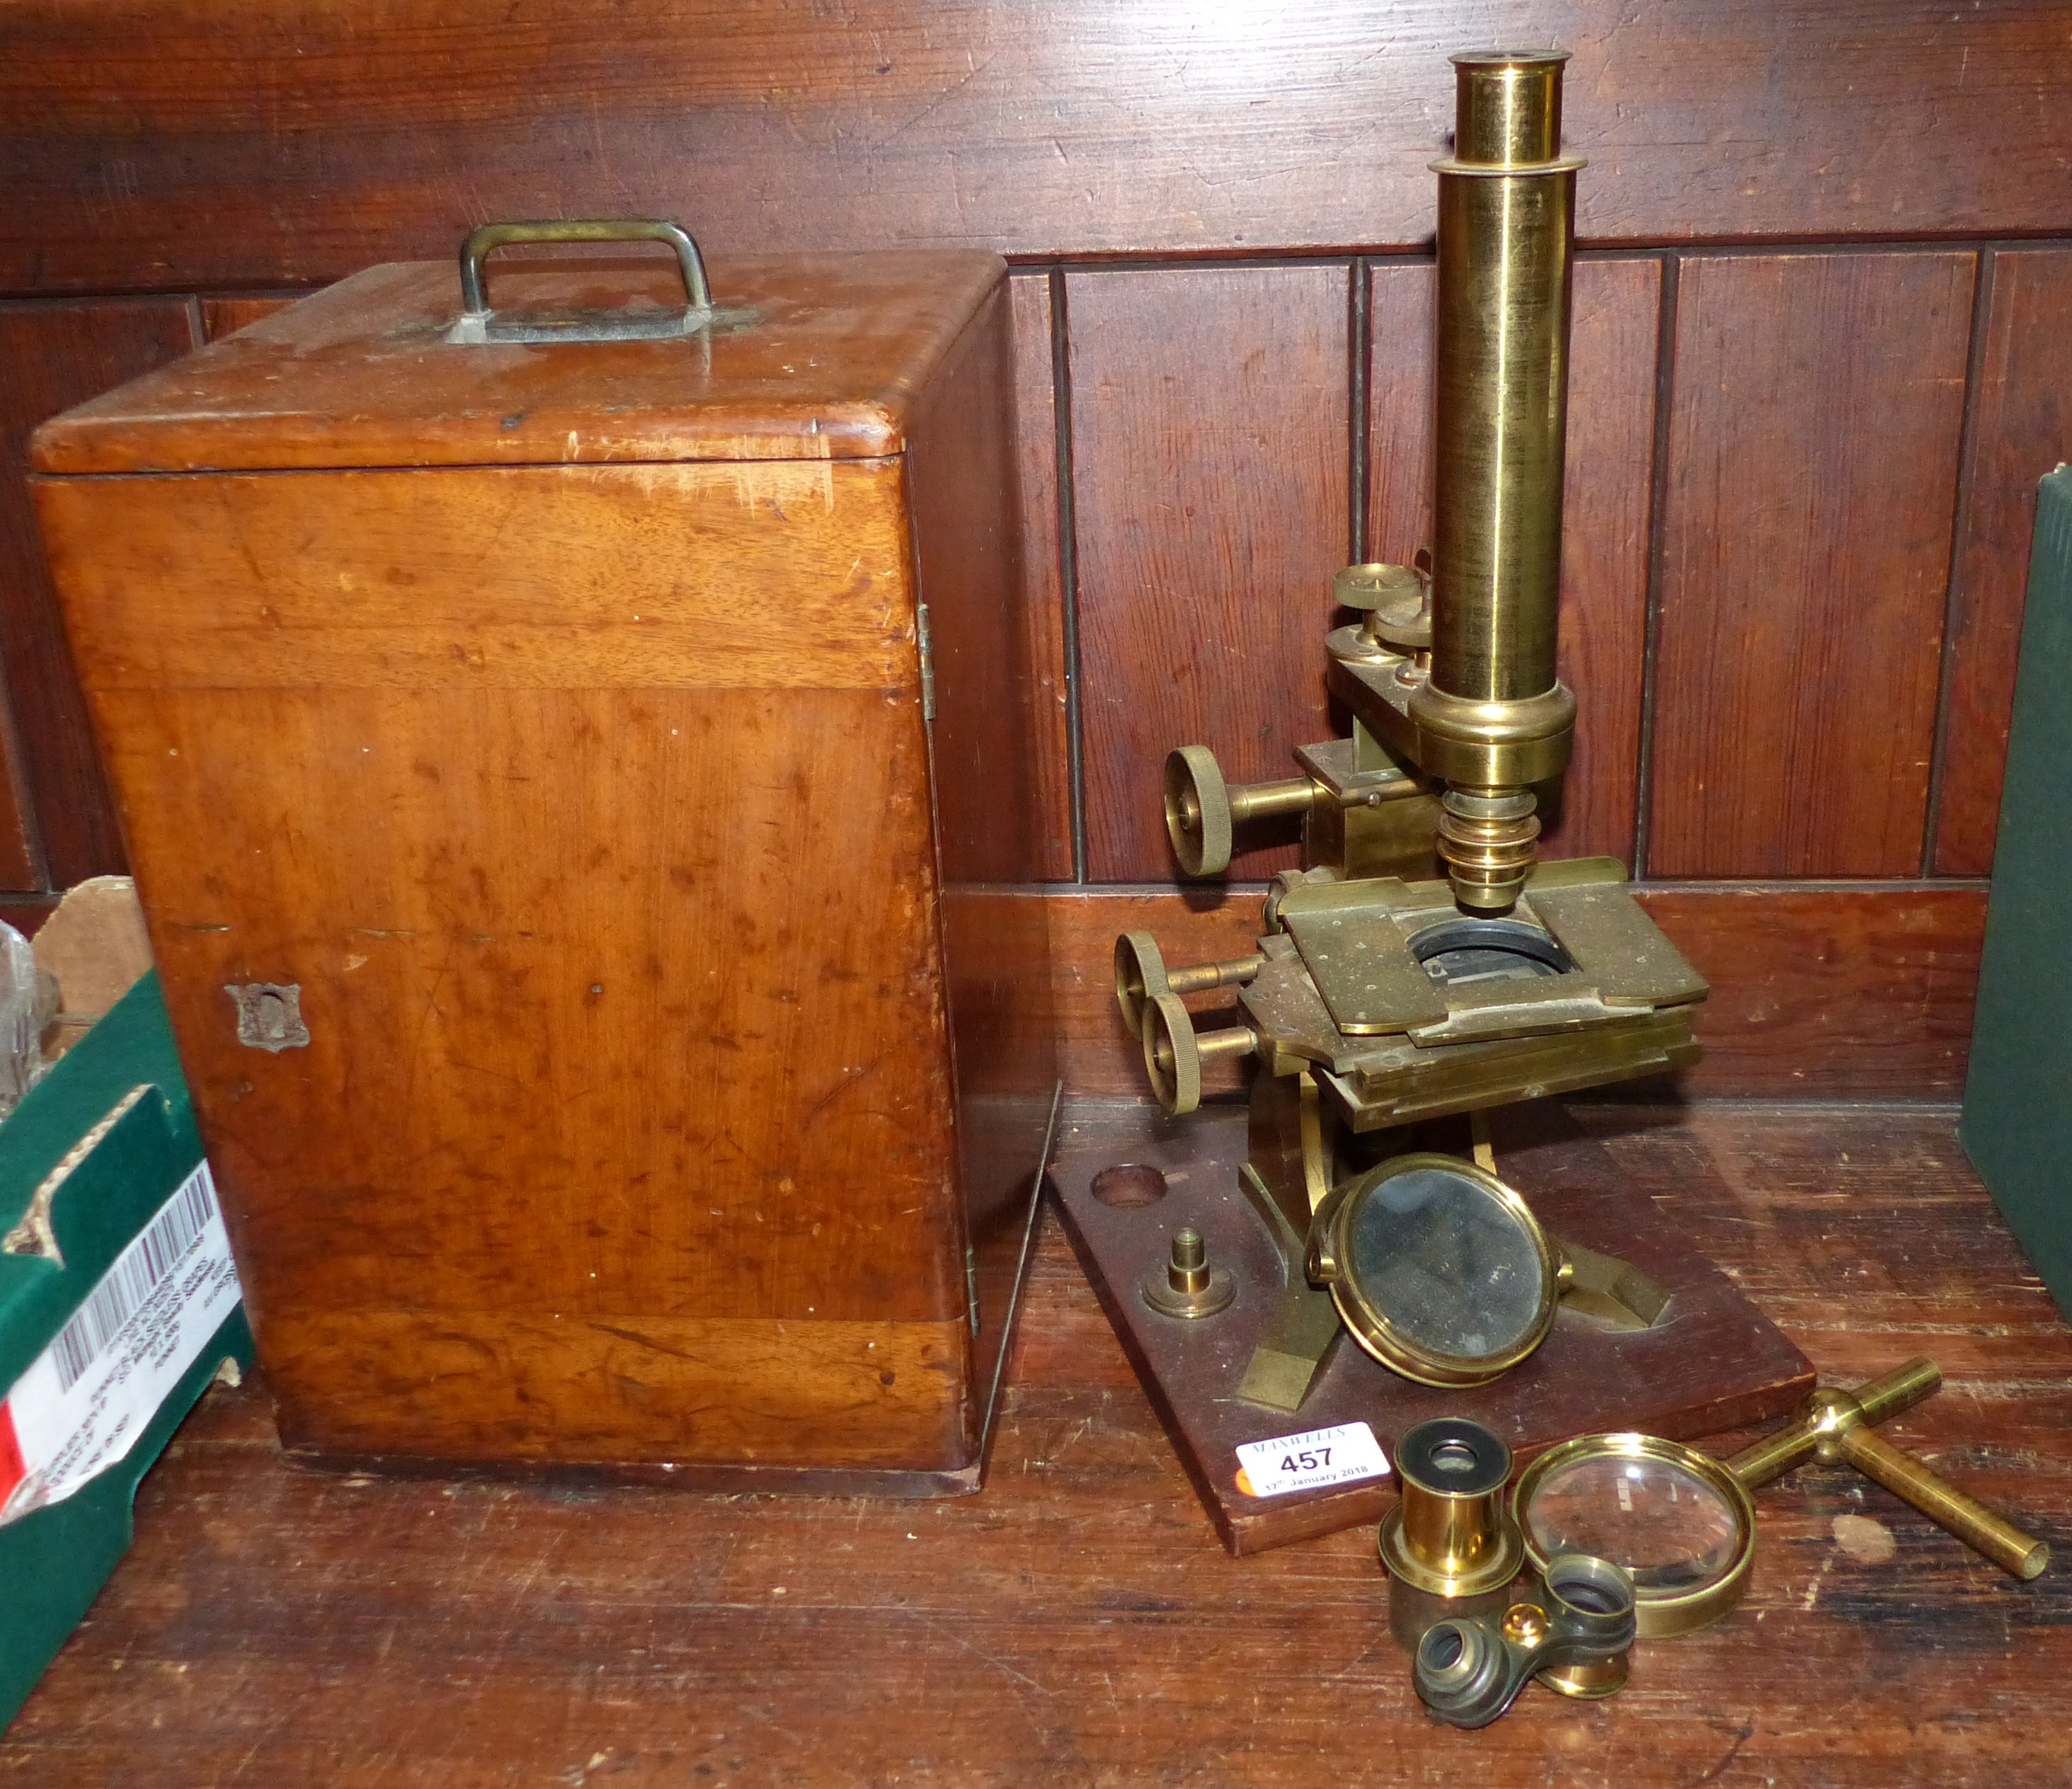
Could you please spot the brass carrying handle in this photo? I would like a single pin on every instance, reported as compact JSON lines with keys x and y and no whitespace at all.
{"x":483,"y":238}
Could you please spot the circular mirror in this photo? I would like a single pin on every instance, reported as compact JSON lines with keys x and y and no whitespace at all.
{"x":1439,"y":1269}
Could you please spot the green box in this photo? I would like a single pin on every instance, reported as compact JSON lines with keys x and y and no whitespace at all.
{"x":118,"y":1106}
{"x":2017,"y":1122}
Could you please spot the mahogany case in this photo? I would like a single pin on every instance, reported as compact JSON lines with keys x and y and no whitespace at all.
{"x":556,"y":858}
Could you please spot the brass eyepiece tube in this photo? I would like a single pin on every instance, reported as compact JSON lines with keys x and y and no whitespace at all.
{"x":1493,"y":711}
{"x":1450,"y":1545}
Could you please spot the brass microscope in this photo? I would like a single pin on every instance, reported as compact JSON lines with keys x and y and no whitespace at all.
{"x":1425,"y":963}
{"x":1422,"y":968}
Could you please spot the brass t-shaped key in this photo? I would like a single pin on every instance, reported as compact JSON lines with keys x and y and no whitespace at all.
{"x":1839,"y":1425}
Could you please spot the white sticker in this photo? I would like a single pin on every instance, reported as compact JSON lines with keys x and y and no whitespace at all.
{"x":87,"y":1397}
{"x":1309,"y":1462}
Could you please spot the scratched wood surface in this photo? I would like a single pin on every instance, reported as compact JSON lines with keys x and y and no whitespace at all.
{"x":1078,"y":1621}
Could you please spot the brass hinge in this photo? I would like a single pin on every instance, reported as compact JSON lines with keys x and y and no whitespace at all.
{"x":928,"y":661}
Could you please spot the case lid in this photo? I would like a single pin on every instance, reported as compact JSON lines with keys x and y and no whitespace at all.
{"x":807,"y":358}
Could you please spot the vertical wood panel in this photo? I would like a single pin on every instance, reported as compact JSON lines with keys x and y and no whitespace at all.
{"x":1400,"y":297}
{"x":1605,"y":533}
{"x":222,"y":317}
{"x":18,"y":859}
{"x":1610,"y":488}
{"x":2023,"y":428}
{"x":1211,"y":448}
{"x":53,"y":356}
{"x":1036,"y":407}
{"x":1812,"y":474}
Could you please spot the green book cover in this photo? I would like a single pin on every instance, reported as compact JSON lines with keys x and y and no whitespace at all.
{"x":2017,"y":1121}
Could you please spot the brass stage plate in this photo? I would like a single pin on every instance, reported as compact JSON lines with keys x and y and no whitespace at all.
{"x":1714,"y":1365}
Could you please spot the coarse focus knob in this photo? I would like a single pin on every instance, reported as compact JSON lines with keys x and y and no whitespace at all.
{"x":1172,"y":1058}
{"x":1173,"y":1053}
{"x":1198,"y":811}
{"x":1140,"y":972}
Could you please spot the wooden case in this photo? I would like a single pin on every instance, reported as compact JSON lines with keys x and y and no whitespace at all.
{"x":559,"y":880}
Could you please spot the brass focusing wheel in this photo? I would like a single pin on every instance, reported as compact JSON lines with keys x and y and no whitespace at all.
{"x":1173,"y":1054}
{"x":1198,"y":811}
{"x":1201,"y":809}
{"x":1396,"y":604}
{"x":1140,"y":971}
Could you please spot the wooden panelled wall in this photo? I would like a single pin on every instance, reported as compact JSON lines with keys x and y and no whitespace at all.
{"x":1823,"y":353}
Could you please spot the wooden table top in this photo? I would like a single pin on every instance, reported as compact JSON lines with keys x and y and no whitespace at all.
{"x":1078,"y":1622}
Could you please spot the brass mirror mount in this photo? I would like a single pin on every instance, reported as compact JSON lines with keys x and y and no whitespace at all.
{"x":1497,"y":1234}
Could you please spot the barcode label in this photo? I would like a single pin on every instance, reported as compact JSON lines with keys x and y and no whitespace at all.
{"x":89,"y":1397}
{"x":132,"y":1280}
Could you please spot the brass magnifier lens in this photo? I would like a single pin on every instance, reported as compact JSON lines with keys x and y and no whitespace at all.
{"x":1678,"y":1522}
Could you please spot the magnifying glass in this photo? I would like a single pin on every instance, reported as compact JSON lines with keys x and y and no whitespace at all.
{"x":1679,"y":1521}
{"x":1442,"y":1272}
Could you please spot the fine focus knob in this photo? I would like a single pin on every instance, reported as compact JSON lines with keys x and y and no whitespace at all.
{"x":1171,"y":1058}
{"x":1140,"y":972}
{"x":1198,"y":811}
{"x":1397,"y":599}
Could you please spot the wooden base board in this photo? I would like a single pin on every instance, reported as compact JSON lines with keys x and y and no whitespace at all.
{"x":1713,"y":1364}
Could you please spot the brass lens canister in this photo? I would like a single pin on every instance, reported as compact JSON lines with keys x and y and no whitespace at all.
{"x":1450,"y":1546}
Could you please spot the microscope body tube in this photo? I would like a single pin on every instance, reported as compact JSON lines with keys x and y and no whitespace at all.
{"x":1506,"y":240}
